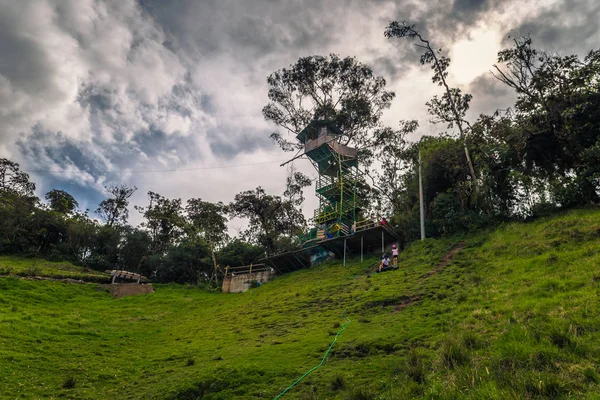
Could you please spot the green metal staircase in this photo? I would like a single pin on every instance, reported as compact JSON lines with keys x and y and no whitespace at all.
{"x":336,"y":186}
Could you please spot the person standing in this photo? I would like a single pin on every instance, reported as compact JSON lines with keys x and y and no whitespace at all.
{"x":395,"y":254}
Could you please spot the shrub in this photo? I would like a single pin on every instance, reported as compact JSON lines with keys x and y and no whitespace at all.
{"x":69,"y":383}
{"x":472,"y":341}
{"x":338,"y":382}
{"x":415,"y":366}
{"x":591,"y":375}
{"x":359,"y":393}
{"x":561,"y":339}
{"x":453,"y":353}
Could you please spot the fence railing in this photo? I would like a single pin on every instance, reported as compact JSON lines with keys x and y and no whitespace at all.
{"x":366,"y":224}
{"x":245,"y":269}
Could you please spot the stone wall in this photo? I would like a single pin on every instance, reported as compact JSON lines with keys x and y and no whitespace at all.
{"x":242,"y":282}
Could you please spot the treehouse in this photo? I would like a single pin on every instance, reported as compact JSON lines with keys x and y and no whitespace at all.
{"x":336,"y":186}
{"x":340,"y":229}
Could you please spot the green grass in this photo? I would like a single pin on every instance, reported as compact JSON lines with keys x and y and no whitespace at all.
{"x":515,"y":315}
{"x":30,"y":267}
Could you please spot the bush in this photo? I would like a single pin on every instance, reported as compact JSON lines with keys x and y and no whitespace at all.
{"x":69,"y":383}
{"x":591,"y":375}
{"x":359,"y":393}
{"x":415,"y":366}
{"x":338,"y":382}
{"x":453,"y":353}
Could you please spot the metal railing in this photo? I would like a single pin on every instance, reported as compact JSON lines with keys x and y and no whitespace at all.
{"x":245,"y":269}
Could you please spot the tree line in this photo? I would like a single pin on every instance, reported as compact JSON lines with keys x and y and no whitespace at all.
{"x":536,"y":157}
{"x":175,"y":242}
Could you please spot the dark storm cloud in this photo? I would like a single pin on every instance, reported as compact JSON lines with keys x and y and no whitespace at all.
{"x":568,"y":27}
{"x":97,"y":85}
{"x":469,"y":7}
{"x":489,"y":95}
{"x":488,"y":85}
{"x":24,"y":62}
{"x":247,"y":28}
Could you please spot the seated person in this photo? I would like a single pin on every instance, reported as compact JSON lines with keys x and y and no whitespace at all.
{"x":385,"y":262}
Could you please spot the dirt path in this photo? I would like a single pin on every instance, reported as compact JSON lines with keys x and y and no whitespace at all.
{"x":408,"y":300}
{"x":129,"y":289}
{"x":447,"y":258}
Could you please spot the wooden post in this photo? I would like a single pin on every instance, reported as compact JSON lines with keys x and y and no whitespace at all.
{"x":344,"y":252}
{"x":382,"y":243}
{"x":361,"y":248}
{"x":226,"y":270}
{"x":421,"y":206}
{"x":250,"y":268}
{"x":114,"y":277}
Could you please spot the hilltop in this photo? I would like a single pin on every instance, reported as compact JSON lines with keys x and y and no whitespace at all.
{"x":508,"y":313}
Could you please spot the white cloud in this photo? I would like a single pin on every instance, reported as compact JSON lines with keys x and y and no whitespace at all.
{"x":182,"y":85}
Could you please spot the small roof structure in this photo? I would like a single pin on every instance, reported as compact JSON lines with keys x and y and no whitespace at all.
{"x":314,"y":126}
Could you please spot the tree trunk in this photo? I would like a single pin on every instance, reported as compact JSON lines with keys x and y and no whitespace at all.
{"x":457,"y":118}
{"x":212,"y":251}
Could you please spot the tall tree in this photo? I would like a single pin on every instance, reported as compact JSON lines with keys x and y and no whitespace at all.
{"x":343,"y":91}
{"x":12,"y":179}
{"x":453,"y":105}
{"x":391,"y":148}
{"x":294,"y":185}
{"x":81,"y":233}
{"x":134,"y":249}
{"x":273,"y":222}
{"x":61,"y":201}
{"x":556,"y":113}
{"x":210,"y":221}
{"x":114,"y":210}
{"x":163,"y":220}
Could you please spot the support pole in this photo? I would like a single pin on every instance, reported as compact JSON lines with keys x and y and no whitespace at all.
{"x":344,"y":252}
{"x":382,"y":243}
{"x":421,"y":206}
{"x":361,"y":249}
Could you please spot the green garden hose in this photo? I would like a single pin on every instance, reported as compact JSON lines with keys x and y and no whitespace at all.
{"x":348,"y":320}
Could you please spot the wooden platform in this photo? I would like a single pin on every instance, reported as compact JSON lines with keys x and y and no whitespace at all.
{"x":368,"y":240}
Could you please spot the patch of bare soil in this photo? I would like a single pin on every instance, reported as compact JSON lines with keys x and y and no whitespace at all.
{"x":129,"y":289}
{"x":447,"y":258}
{"x":407,"y":301}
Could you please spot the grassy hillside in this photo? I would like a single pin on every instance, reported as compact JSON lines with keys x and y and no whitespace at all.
{"x":514,"y":314}
{"x":37,"y":267}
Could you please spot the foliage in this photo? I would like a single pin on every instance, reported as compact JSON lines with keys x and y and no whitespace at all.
{"x":61,"y":201}
{"x":163,"y":221}
{"x":209,"y":220}
{"x":114,"y":210}
{"x":452,"y":107}
{"x":237,"y":253}
{"x":343,"y":91}
{"x":390,"y":147}
{"x":294,"y":184}
{"x":273,"y":221}
{"x":13,"y":180}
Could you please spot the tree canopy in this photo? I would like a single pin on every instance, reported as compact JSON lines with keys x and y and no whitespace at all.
{"x":341,"y":90}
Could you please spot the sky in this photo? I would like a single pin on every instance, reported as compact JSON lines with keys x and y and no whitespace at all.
{"x":167,"y":95}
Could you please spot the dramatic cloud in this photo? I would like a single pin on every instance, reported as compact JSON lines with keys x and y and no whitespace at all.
{"x":96,"y":92}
